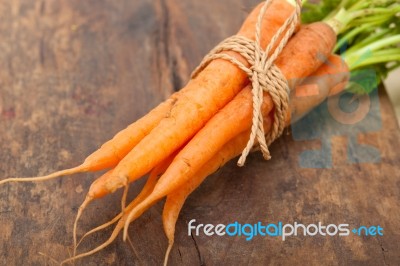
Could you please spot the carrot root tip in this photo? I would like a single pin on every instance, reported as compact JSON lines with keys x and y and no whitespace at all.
{"x":170,"y":245}
{"x":83,"y":206}
{"x":70,"y":171}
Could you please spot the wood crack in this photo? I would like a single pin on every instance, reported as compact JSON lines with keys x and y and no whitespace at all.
{"x":383,"y":252}
{"x":176,"y":79}
{"x":171,"y":59}
{"x":197,"y":250}
{"x":165,"y":24}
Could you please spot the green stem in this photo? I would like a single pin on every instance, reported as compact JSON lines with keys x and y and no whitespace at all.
{"x":377,"y":20}
{"x":370,"y":27}
{"x":359,"y":5}
{"x":375,"y":60}
{"x":392,"y":40}
{"x":339,"y":21}
{"x":350,"y":35}
{"x":368,"y":40}
{"x":343,"y":5}
{"x":372,"y":11}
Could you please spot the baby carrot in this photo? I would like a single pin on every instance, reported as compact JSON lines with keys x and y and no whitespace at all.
{"x":112,"y":151}
{"x":330,"y":79}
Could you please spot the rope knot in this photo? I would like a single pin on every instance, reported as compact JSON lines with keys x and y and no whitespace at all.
{"x":258,"y":70}
{"x":263,"y":74}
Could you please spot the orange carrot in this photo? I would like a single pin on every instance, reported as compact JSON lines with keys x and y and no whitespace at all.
{"x":229,"y":122}
{"x":111,"y":152}
{"x":330,"y":79}
{"x":176,"y":199}
{"x":190,"y":114}
{"x":99,"y":182}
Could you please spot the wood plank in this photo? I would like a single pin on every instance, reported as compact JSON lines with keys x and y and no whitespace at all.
{"x":73,"y":73}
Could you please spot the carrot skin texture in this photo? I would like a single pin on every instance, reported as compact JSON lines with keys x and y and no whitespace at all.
{"x":311,"y":46}
{"x":330,"y":79}
{"x":99,"y":183}
{"x":230,"y":121}
{"x":112,"y":151}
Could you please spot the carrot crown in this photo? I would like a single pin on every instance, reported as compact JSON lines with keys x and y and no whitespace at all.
{"x":368,"y":33}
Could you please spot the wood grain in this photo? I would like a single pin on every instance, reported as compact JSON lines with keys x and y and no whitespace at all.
{"x":73,"y":73}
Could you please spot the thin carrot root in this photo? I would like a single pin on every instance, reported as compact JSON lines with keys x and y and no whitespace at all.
{"x":49,"y":257}
{"x":70,"y":171}
{"x":111,"y":152}
{"x":170,"y":245}
{"x":146,"y":190}
{"x":83,"y":206}
{"x":139,"y":210}
{"x":131,"y":244}
{"x":100,"y":227}
{"x":113,"y":236}
{"x":117,"y":229}
{"x":89,"y":198}
{"x":124,"y":195}
{"x":121,"y":222}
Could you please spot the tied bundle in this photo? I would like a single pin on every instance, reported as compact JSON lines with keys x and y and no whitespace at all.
{"x":218,"y":115}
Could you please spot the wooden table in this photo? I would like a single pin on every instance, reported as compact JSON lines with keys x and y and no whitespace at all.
{"x":73,"y":73}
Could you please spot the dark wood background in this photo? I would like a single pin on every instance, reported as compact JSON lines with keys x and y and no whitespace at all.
{"x":73,"y":73}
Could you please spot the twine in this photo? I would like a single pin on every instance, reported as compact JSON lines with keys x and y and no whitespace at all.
{"x":263,"y":74}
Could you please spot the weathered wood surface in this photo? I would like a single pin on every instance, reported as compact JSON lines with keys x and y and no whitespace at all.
{"x":73,"y":73}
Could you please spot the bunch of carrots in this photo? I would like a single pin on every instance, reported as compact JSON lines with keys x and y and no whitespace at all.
{"x":172,"y":143}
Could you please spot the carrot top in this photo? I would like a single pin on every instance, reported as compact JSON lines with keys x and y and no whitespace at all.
{"x":368,"y":34}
